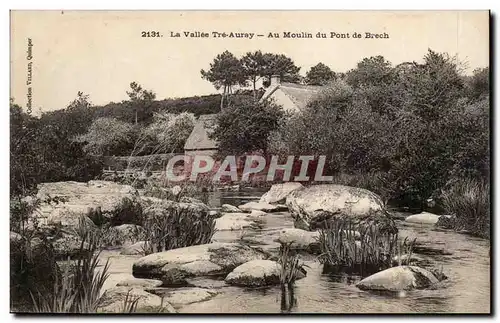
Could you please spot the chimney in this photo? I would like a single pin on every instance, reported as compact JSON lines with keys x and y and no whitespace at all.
{"x":275,"y":80}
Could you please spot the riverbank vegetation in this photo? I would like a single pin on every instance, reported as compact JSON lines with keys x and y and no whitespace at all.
{"x":406,"y":132}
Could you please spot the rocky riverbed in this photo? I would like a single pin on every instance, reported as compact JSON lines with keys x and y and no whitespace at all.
{"x":463,"y":259}
{"x":237,"y":270}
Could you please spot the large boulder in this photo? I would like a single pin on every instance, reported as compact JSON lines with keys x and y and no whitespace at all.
{"x":308,"y":203}
{"x":300,"y":239}
{"x":111,"y":201}
{"x":213,"y":259}
{"x":398,"y":279}
{"x":423,"y":218}
{"x":278,"y":192}
{"x":113,"y":301}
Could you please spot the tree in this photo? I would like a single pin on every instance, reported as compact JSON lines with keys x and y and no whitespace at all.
{"x":375,"y":70}
{"x":431,"y":88}
{"x":225,"y":72}
{"x":254,"y":67}
{"x":168,"y":132}
{"x":319,"y":74}
{"x":478,"y":85}
{"x":282,"y":65}
{"x":43,"y":150}
{"x":246,"y":125}
{"x":140,"y":98}
{"x":107,"y":137}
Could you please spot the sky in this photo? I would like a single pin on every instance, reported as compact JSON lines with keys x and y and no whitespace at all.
{"x":101,"y":52}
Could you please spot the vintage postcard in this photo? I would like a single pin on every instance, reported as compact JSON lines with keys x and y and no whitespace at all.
{"x":214,"y":162}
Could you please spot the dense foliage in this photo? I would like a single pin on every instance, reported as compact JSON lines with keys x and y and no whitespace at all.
{"x":245,"y":126}
{"x":404,"y":131}
{"x":320,"y":74}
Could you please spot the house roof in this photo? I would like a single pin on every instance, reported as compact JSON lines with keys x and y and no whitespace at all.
{"x":199,"y":139}
{"x":300,"y":95}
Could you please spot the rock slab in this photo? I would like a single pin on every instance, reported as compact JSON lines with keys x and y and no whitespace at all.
{"x":213,"y":259}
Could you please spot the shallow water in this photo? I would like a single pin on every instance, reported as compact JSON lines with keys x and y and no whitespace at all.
{"x":464,"y":259}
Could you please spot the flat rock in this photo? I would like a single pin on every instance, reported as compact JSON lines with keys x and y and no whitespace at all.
{"x":134,"y":249}
{"x":423,"y":218}
{"x":141,"y":283}
{"x":279,"y":192}
{"x":184,"y":296}
{"x":257,"y":213}
{"x":299,"y":239}
{"x":165,"y":207}
{"x":228,"y":208}
{"x":80,"y":199}
{"x":259,"y":206}
{"x":255,"y":273}
{"x":234,"y":221}
{"x":113,"y":301}
{"x":398,"y":278}
{"x":174,"y":266}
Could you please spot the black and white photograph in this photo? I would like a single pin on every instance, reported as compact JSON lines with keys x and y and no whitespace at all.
{"x":250,"y":162}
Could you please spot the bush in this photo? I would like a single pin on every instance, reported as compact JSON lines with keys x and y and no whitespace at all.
{"x":108,"y":136}
{"x":469,"y":201}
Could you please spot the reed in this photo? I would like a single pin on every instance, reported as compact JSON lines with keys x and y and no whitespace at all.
{"x":175,"y":227}
{"x":359,"y":247}
{"x":291,"y":269}
{"x":78,"y":289}
{"x":290,"y":266}
{"x":469,"y":201}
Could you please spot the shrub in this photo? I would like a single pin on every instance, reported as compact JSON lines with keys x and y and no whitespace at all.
{"x":108,"y":136}
{"x":166,"y":134}
{"x":469,"y":201}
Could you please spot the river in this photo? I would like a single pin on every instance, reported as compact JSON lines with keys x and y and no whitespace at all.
{"x":464,"y":259}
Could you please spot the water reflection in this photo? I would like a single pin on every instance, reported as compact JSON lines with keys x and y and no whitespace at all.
{"x":288,"y":299}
